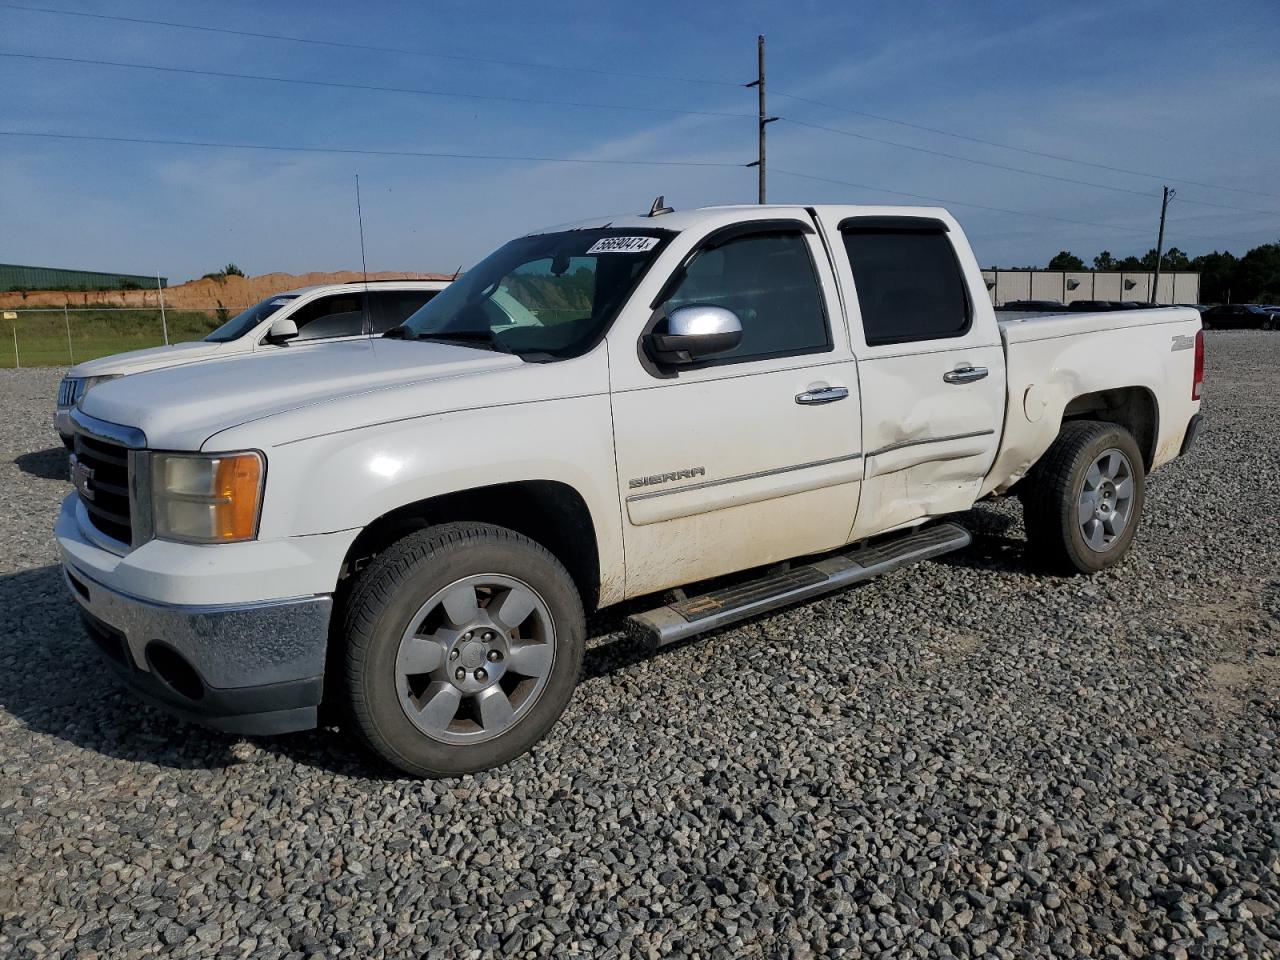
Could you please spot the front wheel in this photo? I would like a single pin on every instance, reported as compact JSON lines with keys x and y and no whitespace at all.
{"x":464,"y":643}
{"x":1084,"y":498}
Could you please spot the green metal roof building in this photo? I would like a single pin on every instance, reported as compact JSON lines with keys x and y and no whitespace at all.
{"x":14,"y":276}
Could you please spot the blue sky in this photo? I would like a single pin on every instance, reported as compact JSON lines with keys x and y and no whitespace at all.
{"x":1187,"y":90}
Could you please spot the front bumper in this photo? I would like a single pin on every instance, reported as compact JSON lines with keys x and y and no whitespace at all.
{"x":245,"y":668}
{"x":62,"y":421}
{"x":188,"y":628}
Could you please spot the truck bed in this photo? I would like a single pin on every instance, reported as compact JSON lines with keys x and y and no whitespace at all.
{"x":1057,"y":359}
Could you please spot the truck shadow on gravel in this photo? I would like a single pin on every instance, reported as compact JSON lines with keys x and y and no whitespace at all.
{"x":48,"y":464}
{"x":54,"y":682}
{"x":998,"y":544}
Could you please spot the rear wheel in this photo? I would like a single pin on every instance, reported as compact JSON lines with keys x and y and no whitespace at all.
{"x":464,"y":643}
{"x":1085,"y":498}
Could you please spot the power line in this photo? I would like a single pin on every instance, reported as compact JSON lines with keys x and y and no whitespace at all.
{"x":1017,"y":149}
{"x":346,"y":45}
{"x":528,"y":64}
{"x":428,"y":154}
{"x":1023,"y":170}
{"x":958,"y":203}
{"x":443,"y":155}
{"x":418,"y":91}
{"x":955,"y":156}
{"x":449,"y":94}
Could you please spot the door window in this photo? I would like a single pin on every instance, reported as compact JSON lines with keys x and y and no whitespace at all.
{"x":341,"y":315}
{"x":909,"y":285}
{"x":768,"y":280}
{"x":390,"y":308}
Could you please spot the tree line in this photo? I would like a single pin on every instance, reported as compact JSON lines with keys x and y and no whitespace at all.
{"x":1224,"y":277}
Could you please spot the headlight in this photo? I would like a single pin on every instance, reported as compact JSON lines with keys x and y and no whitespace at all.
{"x":91,"y":382}
{"x":206,"y":499}
{"x":73,"y":389}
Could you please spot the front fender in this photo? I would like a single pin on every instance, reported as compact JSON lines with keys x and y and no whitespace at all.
{"x":346,"y":480}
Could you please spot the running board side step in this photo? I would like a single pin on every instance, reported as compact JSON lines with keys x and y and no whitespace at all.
{"x":676,"y":621}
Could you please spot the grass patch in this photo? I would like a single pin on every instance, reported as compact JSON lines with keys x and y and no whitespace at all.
{"x":42,"y":337}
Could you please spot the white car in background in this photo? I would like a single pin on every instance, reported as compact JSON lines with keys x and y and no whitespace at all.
{"x":308,"y":315}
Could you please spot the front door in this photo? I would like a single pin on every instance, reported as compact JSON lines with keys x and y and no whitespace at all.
{"x":754,"y":455}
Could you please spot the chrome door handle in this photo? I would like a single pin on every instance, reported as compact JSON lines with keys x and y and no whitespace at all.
{"x":964,"y":374}
{"x":822,"y":395}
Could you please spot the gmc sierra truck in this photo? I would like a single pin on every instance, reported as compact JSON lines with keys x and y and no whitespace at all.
{"x":725,"y":410}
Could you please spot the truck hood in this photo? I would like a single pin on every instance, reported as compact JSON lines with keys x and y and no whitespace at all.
{"x":151,"y":358}
{"x":179,"y":408}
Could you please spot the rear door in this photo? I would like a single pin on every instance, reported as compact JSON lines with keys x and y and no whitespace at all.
{"x":390,"y":308}
{"x":930,"y":362}
{"x":752,"y":456}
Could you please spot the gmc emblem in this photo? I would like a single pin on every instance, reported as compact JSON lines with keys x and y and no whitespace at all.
{"x":80,"y":477}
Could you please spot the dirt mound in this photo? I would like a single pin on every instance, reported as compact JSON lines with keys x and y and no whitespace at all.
{"x":233,"y":293}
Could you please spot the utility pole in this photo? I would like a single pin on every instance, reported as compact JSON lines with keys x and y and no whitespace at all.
{"x":164,"y":323}
{"x":1164,"y":208}
{"x":66,"y":319}
{"x":758,"y":83}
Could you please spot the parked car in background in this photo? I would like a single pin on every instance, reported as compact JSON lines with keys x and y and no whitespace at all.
{"x":1239,"y":316}
{"x":597,"y":412}
{"x":1199,"y":308}
{"x":1033,"y":306}
{"x":319,"y":314}
{"x":1104,"y":306}
{"x":1092,"y":306}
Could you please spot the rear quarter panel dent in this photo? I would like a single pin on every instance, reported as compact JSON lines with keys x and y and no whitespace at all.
{"x":1090,"y":360}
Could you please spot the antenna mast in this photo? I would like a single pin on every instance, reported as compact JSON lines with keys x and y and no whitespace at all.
{"x":364,"y":266}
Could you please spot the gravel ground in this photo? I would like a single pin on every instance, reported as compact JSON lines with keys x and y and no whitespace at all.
{"x":959,"y":759}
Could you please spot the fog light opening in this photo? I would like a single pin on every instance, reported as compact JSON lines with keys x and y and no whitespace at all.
{"x":173,"y":668}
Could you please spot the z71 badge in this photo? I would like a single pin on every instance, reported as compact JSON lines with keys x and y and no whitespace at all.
{"x":667,"y":477}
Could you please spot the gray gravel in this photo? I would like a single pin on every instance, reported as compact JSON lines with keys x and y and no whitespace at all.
{"x":960,"y":759}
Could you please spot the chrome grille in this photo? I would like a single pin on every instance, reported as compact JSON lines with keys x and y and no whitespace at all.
{"x":100,"y":472}
{"x":68,"y":391}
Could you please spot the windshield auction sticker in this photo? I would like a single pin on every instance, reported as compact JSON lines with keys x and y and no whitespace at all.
{"x":623,"y":245}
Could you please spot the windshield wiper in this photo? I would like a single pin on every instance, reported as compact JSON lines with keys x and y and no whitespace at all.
{"x":397,"y":333}
{"x":471,"y":338}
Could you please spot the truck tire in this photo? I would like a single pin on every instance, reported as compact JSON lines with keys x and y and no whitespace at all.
{"x":463,"y":645}
{"x":1084,"y":498}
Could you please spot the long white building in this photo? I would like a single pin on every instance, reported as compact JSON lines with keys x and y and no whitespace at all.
{"x":1067,"y":285}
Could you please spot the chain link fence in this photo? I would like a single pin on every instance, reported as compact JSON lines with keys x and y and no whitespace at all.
{"x":63,"y":336}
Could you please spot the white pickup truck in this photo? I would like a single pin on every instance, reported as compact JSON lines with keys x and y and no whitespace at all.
{"x":412,"y":527}
{"x":314,"y":315}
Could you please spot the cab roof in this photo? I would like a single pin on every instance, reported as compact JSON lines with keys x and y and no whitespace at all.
{"x":680,"y":220}
{"x":349,"y":284}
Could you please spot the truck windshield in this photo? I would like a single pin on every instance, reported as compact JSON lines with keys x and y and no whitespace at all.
{"x":548,"y":296}
{"x":242,"y":323}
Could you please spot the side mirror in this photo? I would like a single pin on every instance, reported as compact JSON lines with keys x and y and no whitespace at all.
{"x":282,"y":331}
{"x":694,"y":332}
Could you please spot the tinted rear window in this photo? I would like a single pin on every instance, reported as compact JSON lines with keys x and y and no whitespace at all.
{"x":909,"y":285}
{"x":390,"y":308}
